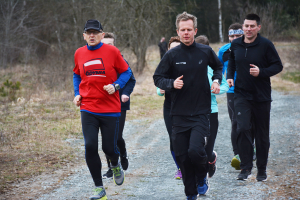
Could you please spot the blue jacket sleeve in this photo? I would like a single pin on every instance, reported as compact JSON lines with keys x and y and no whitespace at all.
{"x":76,"y":82}
{"x":128,"y":88}
{"x":124,"y":77}
{"x":158,"y":92}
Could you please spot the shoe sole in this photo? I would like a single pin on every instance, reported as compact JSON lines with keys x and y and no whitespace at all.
{"x":177,"y":178}
{"x":235,"y":163}
{"x":122,"y":182}
{"x":105,"y":177}
{"x":262,"y":180}
{"x":103,"y":198}
{"x":244,"y":179}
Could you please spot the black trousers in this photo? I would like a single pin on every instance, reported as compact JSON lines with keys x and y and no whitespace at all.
{"x":253,"y":115}
{"x":109,"y":127}
{"x":168,"y":123}
{"x":230,"y":106}
{"x":121,"y":142}
{"x":189,"y":137}
{"x":213,"y":127}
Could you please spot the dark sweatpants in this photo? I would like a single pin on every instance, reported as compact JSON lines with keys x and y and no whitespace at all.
{"x":230,"y":106}
{"x":258,"y":113}
{"x":109,"y":127}
{"x":121,"y":142}
{"x":213,"y":129}
{"x":189,"y":136}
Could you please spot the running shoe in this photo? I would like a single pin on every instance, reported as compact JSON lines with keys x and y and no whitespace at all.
{"x":124,"y":161}
{"x":178,"y":175}
{"x":236,"y":161}
{"x":191,"y":197}
{"x":203,"y":186}
{"x":261,"y":175}
{"x":254,"y":154}
{"x":244,"y":175}
{"x":118,"y":174}
{"x":108,"y":174}
{"x":99,"y":194}
{"x":212,"y":167}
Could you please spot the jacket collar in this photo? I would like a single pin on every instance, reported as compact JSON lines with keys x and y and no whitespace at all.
{"x":188,"y":47}
{"x":255,"y":42}
{"x":91,"y":48}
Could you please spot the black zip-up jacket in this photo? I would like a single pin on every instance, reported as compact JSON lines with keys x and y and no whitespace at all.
{"x":194,"y":98}
{"x":261,"y":53}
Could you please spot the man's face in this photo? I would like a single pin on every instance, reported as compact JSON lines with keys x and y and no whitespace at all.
{"x":109,"y":41}
{"x":186,"y":32}
{"x":250,"y":29}
{"x":93,"y":37}
{"x":234,"y":36}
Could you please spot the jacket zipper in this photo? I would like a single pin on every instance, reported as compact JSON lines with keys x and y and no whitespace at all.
{"x":246,"y":53}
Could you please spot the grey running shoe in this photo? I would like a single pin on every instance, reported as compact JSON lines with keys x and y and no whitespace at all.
{"x":99,"y":194}
{"x":118,"y":174}
{"x":108,"y":174}
{"x":244,"y":175}
{"x":261,"y":175}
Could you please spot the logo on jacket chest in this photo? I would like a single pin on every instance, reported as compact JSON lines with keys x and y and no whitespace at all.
{"x":94,"y":67}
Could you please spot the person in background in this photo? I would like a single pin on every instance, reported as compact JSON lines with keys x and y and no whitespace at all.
{"x":214,"y":122}
{"x":124,"y":93}
{"x":163,"y":47}
{"x":173,"y":42}
{"x":234,"y":31}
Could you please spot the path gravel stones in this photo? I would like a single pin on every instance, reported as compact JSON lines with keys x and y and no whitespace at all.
{"x":151,"y":169}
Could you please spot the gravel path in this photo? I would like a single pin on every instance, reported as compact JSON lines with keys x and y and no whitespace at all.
{"x":151,"y":169}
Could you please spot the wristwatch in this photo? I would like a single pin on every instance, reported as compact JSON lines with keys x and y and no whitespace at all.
{"x":216,"y":81}
{"x":116,"y":85}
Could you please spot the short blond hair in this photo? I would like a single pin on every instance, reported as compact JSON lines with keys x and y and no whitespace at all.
{"x":185,"y":17}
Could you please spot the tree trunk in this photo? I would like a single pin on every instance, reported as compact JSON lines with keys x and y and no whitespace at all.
{"x":220,"y":21}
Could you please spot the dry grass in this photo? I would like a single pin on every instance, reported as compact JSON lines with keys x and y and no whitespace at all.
{"x":33,"y":131}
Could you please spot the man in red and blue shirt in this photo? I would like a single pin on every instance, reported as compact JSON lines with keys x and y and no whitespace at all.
{"x":96,"y":88}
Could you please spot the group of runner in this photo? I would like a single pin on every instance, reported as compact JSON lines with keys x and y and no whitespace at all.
{"x":189,"y":75}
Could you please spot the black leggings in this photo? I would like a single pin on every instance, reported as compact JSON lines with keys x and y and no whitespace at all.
{"x":234,"y":134}
{"x":121,"y":142}
{"x":214,"y":125}
{"x":109,"y":127}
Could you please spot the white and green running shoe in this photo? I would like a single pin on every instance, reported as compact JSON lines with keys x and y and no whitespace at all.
{"x":99,"y":194}
{"x":236,"y":161}
{"x":118,"y":174}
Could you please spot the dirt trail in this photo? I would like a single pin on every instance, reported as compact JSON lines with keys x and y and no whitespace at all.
{"x":151,"y":169}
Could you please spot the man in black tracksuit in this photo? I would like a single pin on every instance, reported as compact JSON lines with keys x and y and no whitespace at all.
{"x":255,"y":60}
{"x":183,"y":72}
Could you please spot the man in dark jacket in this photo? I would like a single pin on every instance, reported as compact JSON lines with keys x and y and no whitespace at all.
{"x":124,"y":93}
{"x":163,"y":47}
{"x":183,"y":72}
{"x":255,"y":60}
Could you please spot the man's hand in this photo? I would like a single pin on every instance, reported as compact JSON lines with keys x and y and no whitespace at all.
{"x":110,"y":89}
{"x":215,"y":87}
{"x":178,"y":83}
{"x":124,"y":98}
{"x":77,"y":100}
{"x":230,"y":82}
{"x":254,"y":71}
{"x":161,"y":91}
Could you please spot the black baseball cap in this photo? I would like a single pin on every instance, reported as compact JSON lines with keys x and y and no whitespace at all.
{"x":93,"y":24}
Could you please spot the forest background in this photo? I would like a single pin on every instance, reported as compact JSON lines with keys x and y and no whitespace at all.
{"x":38,"y":39}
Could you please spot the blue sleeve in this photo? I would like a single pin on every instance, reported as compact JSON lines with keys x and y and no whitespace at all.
{"x":158,"y":92}
{"x":128,"y":88}
{"x":76,"y":82}
{"x":224,"y":87}
{"x":220,"y":56}
{"x":124,"y":77}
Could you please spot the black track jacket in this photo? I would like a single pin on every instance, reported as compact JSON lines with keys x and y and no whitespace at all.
{"x":261,"y":53}
{"x":194,"y":98}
